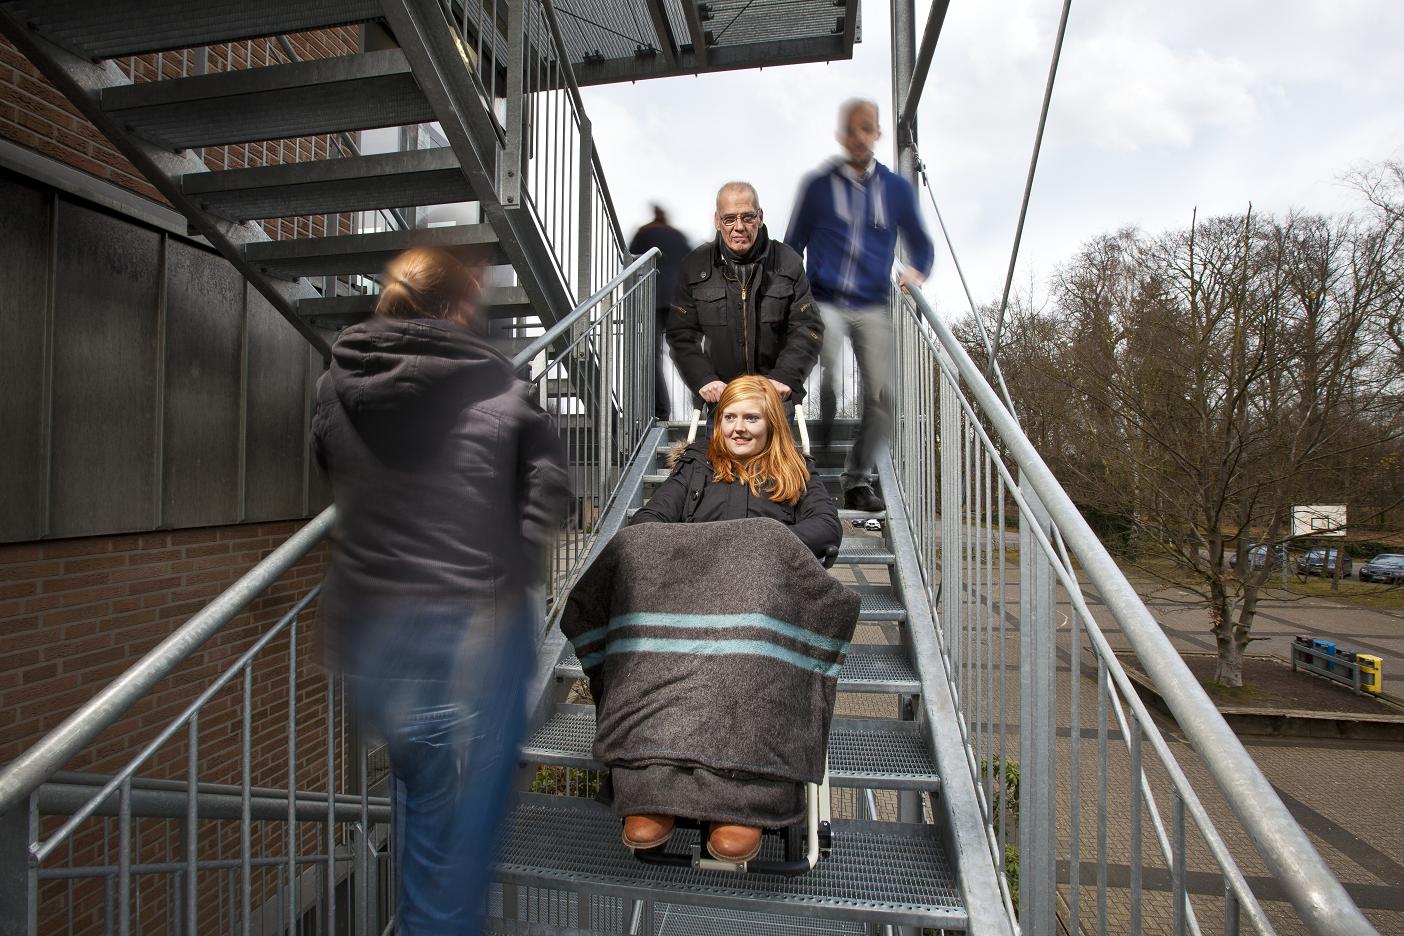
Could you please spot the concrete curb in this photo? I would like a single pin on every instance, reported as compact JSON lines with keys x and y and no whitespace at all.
{"x":1292,"y":723}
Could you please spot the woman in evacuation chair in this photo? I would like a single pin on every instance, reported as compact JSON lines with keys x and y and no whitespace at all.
{"x":751,"y":467}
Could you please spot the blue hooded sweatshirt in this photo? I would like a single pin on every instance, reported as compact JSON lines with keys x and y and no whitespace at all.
{"x":847,"y":231}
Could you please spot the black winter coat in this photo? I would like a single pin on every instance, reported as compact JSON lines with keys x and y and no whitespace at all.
{"x":721,"y":329}
{"x":448,"y":479}
{"x":692,"y":495}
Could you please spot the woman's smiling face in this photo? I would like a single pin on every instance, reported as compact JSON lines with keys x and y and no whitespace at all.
{"x":743,"y":426}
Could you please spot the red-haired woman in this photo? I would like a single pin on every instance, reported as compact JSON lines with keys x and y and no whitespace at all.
{"x":750,"y":467}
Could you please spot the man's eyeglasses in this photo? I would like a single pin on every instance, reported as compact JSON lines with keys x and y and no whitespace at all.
{"x":747,"y":218}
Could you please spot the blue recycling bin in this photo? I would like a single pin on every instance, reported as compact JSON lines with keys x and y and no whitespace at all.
{"x":1325,"y":648}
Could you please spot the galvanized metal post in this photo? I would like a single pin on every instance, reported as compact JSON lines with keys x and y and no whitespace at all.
{"x":903,"y":67}
{"x":584,"y":284}
{"x":1038,"y":694}
{"x":19,"y":882}
{"x":950,"y":512}
{"x":509,"y":181}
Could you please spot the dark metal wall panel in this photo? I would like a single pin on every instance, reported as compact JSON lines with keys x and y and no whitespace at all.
{"x":106,"y":315}
{"x":204,"y":343}
{"x":275,"y":444}
{"x":24,"y":300}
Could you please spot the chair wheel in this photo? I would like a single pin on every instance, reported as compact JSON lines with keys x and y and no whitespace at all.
{"x":796,"y":841}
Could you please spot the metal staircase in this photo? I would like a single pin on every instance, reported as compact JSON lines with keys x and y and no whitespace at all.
{"x":919,"y":747}
{"x":168,"y":124}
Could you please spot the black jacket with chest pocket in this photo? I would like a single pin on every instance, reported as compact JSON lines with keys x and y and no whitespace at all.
{"x":735,"y":318}
{"x":693,"y":495}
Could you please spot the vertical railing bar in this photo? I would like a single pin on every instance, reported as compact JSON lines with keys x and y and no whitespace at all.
{"x":246,"y":808}
{"x":1134,"y":727}
{"x":1231,"y":915}
{"x":330,"y":836}
{"x":30,"y":931}
{"x":1075,"y":783}
{"x":1102,"y":766}
{"x":1003,"y":686}
{"x":124,"y":859}
{"x":1177,"y":867}
{"x":292,"y":777}
{"x":192,"y":819}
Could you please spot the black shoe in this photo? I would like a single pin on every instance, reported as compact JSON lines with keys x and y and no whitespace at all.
{"x":862,"y":498}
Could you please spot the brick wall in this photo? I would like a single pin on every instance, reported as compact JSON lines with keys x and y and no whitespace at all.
{"x":74,"y":614}
{"x":35,"y":115}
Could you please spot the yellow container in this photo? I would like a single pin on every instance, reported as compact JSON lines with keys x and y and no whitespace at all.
{"x":1371,"y":672}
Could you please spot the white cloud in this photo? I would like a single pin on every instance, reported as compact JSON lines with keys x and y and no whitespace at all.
{"x":1159,"y":108}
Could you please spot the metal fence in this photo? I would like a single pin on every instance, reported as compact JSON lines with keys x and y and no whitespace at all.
{"x":1088,"y":819}
{"x":191,"y":834}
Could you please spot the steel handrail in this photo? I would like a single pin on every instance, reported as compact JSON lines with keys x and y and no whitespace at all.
{"x":27,"y":772}
{"x":31,"y":769}
{"x":1310,"y":885}
{"x":564,"y":325}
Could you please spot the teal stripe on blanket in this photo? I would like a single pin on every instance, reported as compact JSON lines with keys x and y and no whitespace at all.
{"x":711,"y":648}
{"x":754,"y":620}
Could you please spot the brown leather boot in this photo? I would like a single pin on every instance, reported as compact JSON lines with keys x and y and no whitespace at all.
{"x":647,"y":830}
{"x":736,"y":843}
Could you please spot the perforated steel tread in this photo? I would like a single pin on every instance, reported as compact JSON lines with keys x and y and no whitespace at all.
{"x":354,"y":183}
{"x":869,"y":668}
{"x":685,"y":920}
{"x":349,"y":92}
{"x":865,"y":550}
{"x":100,"y":29}
{"x":875,"y":753}
{"x":360,"y":253}
{"x":878,"y":872}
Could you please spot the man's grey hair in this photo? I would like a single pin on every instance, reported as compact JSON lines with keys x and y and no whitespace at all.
{"x":739,"y":187}
{"x":847,"y":108}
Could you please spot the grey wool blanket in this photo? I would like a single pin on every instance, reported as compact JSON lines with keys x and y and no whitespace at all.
{"x":713,"y":652}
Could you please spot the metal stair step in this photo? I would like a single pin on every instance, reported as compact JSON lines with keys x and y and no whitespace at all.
{"x":865,"y":550}
{"x":101,"y":29}
{"x":349,"y":92}
{"x":882,"y":754}
{"x":869,"y":668}
{"x":367,"y":253}
{"x":328,"y":186}
{"x":848,"y":516}
{"x":506,"y":302}
{"x":879,"y":872}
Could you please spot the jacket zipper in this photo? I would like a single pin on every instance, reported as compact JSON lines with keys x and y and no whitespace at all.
{"x":745,"y":328}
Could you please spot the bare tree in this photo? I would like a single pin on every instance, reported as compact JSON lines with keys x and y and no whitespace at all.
{"x":1198,"y":384}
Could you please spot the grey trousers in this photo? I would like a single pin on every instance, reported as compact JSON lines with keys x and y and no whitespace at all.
{"x":869,"y":328}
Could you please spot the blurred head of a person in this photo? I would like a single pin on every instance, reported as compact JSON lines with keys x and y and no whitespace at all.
{"x":659,"y":215}
{"x":431,"y":283}
{"x":859,"y":131}
{"x":739,"y":216}
{"x":752,"y":443}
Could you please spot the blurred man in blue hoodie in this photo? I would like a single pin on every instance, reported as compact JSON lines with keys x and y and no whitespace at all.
{"x":850,"y":214}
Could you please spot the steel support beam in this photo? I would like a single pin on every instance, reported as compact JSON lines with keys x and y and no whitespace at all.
{"x":903,"y":64}
{"x":659,"y":18}
{"x":906,"y":105}
{"x":696,"y":32}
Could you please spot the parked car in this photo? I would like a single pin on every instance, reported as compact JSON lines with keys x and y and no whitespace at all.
{"x":1321,"y":560}
{"x":1257,"y":556}
{"x":1386,"y":567}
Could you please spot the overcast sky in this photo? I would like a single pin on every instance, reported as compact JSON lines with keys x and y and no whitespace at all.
{"x":1159,"y":108}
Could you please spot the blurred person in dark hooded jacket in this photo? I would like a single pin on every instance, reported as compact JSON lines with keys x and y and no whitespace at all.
{"x":449,"y":484}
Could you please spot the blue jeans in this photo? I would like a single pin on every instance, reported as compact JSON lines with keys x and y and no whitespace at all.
{"x":448,"y":696}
